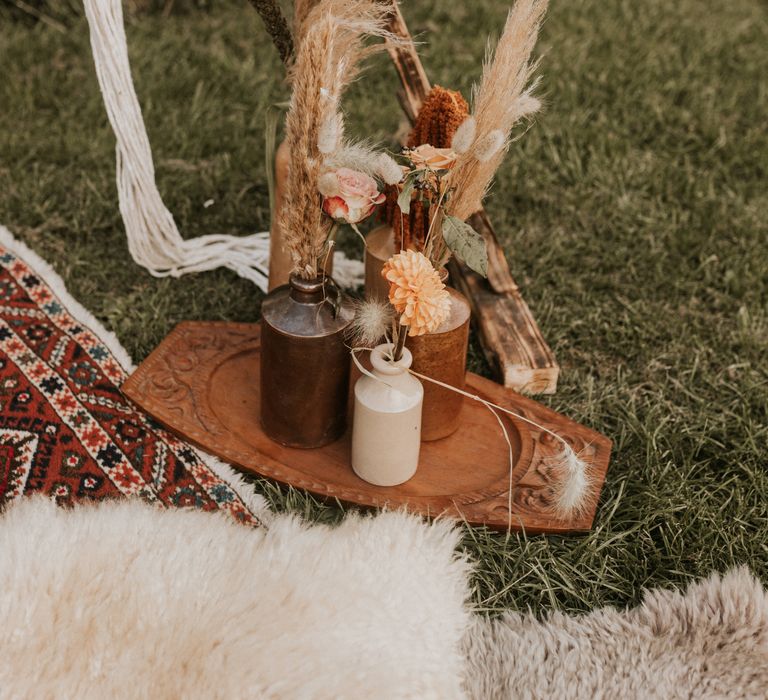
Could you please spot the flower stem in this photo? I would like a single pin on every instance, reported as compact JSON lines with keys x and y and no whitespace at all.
{"x":402,"y":334}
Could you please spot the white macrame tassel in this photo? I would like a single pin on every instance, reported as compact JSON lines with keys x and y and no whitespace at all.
{"x":154,"y":240}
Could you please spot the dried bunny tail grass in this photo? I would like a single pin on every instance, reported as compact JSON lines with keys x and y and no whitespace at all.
{"x":327,"y":60}
{"x":489,"y":145}
{"x":330,"y":134}
{"x":355,"y":156}
{"x":464,"y":136}
{"x":328,"y":185}
{"x":526,"y":105}
{"x":575,"y":487}
{"x":372,"y":320}
{"x":388,"y":169}
{"x":499,"y":102}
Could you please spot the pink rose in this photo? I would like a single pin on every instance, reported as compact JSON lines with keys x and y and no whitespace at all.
{"x":349,"y":196}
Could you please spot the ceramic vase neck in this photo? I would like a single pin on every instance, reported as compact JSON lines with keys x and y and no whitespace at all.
{"x":384,"y":365}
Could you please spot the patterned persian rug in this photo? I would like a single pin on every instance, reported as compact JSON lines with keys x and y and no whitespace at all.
{"x":66,"y":431}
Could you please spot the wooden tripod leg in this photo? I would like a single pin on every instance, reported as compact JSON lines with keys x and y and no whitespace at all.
{"x":506,"y":327}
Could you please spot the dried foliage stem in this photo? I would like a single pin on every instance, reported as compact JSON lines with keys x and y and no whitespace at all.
{"x":327,"y":60}
{"x":277,"y":27}
{"x":501,"y":100}
{"x":402,"y":334}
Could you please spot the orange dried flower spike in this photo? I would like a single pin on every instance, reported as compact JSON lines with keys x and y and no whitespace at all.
{"x":441,"y":114}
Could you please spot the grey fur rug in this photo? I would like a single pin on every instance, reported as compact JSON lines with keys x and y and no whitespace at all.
{"x":710,"y":641}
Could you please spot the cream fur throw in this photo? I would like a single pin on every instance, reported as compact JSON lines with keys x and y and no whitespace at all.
{"x":123,"y":600}
{"x":709,"y":642}
{"x":128,"y":601}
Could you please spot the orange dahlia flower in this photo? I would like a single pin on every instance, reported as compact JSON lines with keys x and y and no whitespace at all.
{"x":416,"y":292}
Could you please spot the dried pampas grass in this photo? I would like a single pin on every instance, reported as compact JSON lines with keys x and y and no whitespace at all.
{"x":501,"y":100}
{"x":301,"y":11}
{"x":327,"y":61}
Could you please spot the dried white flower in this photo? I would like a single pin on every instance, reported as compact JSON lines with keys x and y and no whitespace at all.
{"x":372,"y":320}
{"x":464,"y":136}
{"x":388,"y":169}
{"x":489,"y":145}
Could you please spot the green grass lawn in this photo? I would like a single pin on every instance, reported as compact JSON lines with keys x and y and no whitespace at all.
{"x":634,"y":214}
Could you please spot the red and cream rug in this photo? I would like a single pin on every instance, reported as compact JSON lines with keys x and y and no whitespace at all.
{"x":66,"y":430}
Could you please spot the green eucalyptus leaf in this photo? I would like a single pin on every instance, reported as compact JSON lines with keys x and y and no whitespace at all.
{"x":467,"y":243}
{"x":404,"y":198}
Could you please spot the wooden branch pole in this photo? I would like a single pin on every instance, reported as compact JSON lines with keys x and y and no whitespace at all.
{"x":508,"y":332}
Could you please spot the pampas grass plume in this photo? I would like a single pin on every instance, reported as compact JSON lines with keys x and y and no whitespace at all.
{"x":464,"y":136}
{"x":574,"y":486}
{"x":372,"y":320}
{"x":388,"y":169}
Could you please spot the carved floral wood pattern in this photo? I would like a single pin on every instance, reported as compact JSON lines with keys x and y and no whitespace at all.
{"x":202,"y":383}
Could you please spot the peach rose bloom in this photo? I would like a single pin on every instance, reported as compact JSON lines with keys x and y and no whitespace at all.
{"x":349,"y":195}
{"x":416,"y":292}
{"x":434,"y":158}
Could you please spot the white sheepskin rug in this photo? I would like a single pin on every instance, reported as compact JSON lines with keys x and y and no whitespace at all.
{"x":123,"y":600}
{"x":709,"y":642}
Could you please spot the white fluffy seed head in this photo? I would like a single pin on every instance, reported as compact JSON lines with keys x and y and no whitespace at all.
{"x":355,"y":156}
{"x":489,"y":145}
{"x":328,"y":184}
{"x":464,"y":136}
{"x":525,"y":106}
{"x":372,"y":320}
{"x":388,"y":169}
{"x":574,"y":485}
{"x":329,"y":135}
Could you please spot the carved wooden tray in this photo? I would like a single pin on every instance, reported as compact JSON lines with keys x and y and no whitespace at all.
{"x":202,"y":383}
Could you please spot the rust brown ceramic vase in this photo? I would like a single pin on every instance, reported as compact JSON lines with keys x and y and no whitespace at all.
{"x":304,"y":363}
{"x":442,"y":355}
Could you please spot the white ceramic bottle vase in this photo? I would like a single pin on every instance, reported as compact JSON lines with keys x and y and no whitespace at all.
{"x":386,"y":432}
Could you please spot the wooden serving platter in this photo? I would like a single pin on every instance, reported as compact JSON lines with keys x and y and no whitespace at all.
{"x":202,"y":383}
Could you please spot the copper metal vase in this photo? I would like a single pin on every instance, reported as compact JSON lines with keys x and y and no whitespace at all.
{"x":442,"y":355}
{"x":304,"y":364}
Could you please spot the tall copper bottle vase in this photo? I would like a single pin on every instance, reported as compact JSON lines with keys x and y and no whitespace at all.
{"x":441,"y":355}
{"x":304,"y":364}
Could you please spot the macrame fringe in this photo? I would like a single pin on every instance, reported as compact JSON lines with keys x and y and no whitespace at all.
{"x":154,"y":240}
